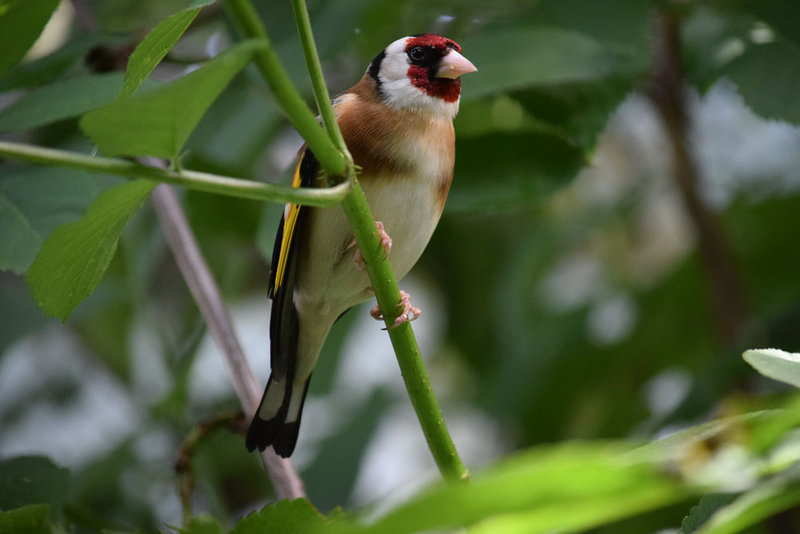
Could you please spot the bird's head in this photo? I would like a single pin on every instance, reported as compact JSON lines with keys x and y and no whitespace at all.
{"x":421,"y":73}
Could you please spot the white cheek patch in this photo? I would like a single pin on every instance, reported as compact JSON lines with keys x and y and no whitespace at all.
{"x":395,"y":63}
{"x":397,"y":90}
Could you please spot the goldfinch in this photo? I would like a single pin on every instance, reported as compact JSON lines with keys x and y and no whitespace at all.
{"x":397,"y":122}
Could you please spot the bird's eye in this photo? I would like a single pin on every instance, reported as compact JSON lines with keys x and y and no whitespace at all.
{"x":417,"y":53}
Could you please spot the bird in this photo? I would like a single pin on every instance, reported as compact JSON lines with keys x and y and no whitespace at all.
{"x":397,"y":123}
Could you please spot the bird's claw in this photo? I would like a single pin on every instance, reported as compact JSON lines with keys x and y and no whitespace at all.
{"x":386,"y":244}
{"x":408,"y":313}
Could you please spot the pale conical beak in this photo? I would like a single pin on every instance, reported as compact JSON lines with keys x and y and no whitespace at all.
{"x":454,"y":65}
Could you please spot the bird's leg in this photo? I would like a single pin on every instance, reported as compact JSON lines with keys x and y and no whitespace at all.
{"x":386,"y":243}
{"x":409,"y":312}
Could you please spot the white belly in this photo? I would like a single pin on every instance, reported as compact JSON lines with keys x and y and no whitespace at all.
{"x":328,"y":281}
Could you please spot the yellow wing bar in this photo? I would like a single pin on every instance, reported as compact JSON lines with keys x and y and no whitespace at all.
{"x":289,"y":222}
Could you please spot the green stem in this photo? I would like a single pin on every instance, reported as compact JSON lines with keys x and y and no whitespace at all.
{"x":315,"y":73}
{"x":404,"y":342}
{"x":383,"y":281}
{"x":332,"y":161}
{"x":200,"y":181}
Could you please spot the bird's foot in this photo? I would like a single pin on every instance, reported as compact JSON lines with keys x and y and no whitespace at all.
{"x":408,"y":313}
{"x":386,"y":244}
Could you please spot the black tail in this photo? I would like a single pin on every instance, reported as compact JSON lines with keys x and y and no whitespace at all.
{"x":278,"y":424}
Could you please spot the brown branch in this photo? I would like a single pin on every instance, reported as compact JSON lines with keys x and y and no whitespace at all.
{"x":206,"y":294}
{"x":204,"y":290}
{"x":666,"y":89}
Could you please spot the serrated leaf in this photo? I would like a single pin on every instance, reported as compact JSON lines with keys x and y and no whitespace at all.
{"x":296,"y":516}
{"x":700,"y":513}
{"x":768,"y":78}
{"x":74,"y":257}
{"x":26,"y":480}
{"x":158,"y":122}
{"x":776,"y":364}
{"x":60,"y":100}
{"x":33,"y":519}
{"x":202,"y":524}
{"x":21,"y":22}
{"x":155,"y":46}
{"x":33,"y":202}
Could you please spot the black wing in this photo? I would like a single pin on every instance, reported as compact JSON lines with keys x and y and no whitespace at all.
{"x":283,"y":328}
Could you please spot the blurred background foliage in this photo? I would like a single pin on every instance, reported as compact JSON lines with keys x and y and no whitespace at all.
{"x":627,"y":174}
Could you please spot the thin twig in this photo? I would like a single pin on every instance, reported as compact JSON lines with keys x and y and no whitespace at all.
{"x":201,"y":284}
{"x":184,"y":469}
{"x":199,"y":181}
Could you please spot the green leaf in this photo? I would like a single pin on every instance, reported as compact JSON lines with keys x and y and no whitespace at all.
{"x":158,"y":122}
{"x":335,"y":468}
{"x":573,"y":516}
{"x":516,"y":58}
{"x":775,"y":495}
{"x":782,"y":16}
{"x":297,"y":516}
{"x":702,"y":511}
{"x":60,"y":100}
{"x":776,"y":364}
{"x":155,"y":46}
{"x":28,"y":480}
{"x":232,"y":133}
{"x":623,"y":23}
{"x":21,"y":22}
{"x":579,"y":111}
{"x":508,"y":170}
{"x":52,"y":67}
{"x":562,"y":86}
{"x":570,"y":487}
{"x":768,"y":77}
{"x":74,"y":257}
{"x":34,"y":519}
{"x":18,"y":314}
{"x":33,"y":202}
{"x":710,"y":39}
{"x":203,"y":524}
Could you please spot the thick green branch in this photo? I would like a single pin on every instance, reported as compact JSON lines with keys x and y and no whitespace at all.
{"x":200,"y":181}
{"x":332,"y":160}
{"x":365,"y":231}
